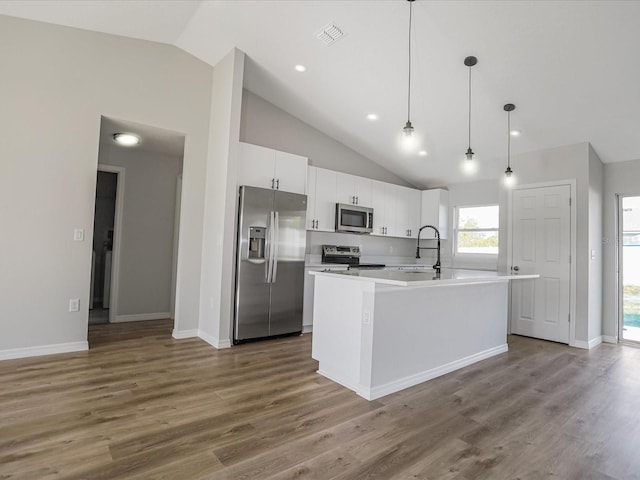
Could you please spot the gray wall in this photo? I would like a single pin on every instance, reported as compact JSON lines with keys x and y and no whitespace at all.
{"x":596,"y":206}
{"x":56,"y":83}
{"x":619,"y":179}
{"x":265,"y":124}
{"x":146,"y":251}
{"x":566,"y":163}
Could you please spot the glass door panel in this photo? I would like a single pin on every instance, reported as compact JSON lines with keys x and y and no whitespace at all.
{"x":630,"y":268}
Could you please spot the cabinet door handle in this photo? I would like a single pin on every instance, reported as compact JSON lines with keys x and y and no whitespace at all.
{"x":316,"y":224}
{"x":357,"y":200}
{"x":273,"y":180}
{"x":278,"y":184}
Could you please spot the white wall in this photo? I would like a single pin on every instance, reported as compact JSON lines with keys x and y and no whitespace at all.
{"x":216,"y":294}
{"x":596,"y":206}
{"x":56,"y":83}
{"x":146,"y":249}
{"x":267,"y":125}
{"x":619,"y":179}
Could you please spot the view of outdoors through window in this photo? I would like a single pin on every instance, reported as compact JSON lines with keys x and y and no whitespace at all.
{"x":631,"y":268}
{"x":477,"y":230}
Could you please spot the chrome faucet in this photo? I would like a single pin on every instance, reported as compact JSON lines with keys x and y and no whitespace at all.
{"x":437,"y":265}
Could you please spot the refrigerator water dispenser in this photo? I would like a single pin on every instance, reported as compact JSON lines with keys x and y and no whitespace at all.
{"x":256,"y":243}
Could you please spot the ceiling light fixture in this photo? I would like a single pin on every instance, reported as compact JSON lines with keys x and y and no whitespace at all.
{"x":509,"y":179}
{"x":470,"y":62}
{"x":126,"y":139}
{"x":408,"y":128}
{"x":300,"y":68}
{"x":372,"y":116}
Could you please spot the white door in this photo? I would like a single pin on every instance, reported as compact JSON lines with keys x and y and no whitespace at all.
{"x":541,"y":235}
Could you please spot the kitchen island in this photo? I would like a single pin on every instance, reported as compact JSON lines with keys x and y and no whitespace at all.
{"x":379,"y":331}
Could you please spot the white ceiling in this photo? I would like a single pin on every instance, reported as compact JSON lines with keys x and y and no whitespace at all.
{"x":568,"y":66}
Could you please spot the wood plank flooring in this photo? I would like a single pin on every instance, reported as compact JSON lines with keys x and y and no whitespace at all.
{"x":141,"y":405}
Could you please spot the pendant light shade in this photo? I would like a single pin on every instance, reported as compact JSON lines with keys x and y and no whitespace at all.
{"x":408,"y":128}
{"x":470,"y":62}
{"x":509,"y":178}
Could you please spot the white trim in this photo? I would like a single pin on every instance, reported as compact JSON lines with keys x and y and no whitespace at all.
{"x":56,"y":348}
{"x":307,"y":329}
{"x":416,"y":378}
{"x":609,"y":339}
{"x":117,"y":237}
{"x":573,"y":245}
{"x":180,"y":334}
{"x":213,"y":341}
{"x":174,"y":260}
{"x":594,"y":342}
{"x":140,"y":317}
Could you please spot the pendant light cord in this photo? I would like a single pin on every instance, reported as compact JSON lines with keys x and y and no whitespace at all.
{"x":469,"y":108}
{"x":509,"y":139}
{"x":409,"y":89}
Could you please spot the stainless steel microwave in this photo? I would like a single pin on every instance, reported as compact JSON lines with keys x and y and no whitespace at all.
{"x":353,"y":218}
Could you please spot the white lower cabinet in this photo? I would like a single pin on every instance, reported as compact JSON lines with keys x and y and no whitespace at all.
{"x":307,"y":307}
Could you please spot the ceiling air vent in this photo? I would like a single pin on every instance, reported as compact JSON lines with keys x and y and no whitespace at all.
{"x":330,"y":34}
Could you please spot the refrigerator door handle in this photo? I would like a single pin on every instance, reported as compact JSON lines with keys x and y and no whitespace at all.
{"x":269,"y":262}
{"x":276,"y":242}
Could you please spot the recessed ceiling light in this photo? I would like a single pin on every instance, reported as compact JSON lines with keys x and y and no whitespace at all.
{"x":300,"y":68}
{"x":515,"y":133}
{"x":422,"y":153}
{"x":126,"y":139}
{"x":372,"y":116}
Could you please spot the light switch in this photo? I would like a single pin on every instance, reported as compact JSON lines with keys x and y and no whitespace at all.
{"x":74,"y":304}
{"x":78,"y":235}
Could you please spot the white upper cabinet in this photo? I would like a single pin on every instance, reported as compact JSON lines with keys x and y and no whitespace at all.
{"x":435,"y":210}
{"x":321,"y":205}
{"x":267,"y":168}
{"x":384,"y":201}
{"x":408,"y":208}
{"x":353,"y":190}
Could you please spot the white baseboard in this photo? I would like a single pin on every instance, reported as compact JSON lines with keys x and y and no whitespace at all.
{"x":609,"y":339}
{"x":594,"y":342}
{"x":415,"y":379}
{"x":141,"y":317}
{"x":179,"y":334}
{"x":213,"y":341}
{"x":307,"y":328}
{"x":12,"y":353}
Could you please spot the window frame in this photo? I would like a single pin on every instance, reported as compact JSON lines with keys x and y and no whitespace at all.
{"x":457,"y":230}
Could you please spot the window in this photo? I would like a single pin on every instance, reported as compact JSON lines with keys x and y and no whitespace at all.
{"x":476,"y":230}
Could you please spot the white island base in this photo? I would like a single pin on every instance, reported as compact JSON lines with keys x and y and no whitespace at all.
{"x":377,"y":336}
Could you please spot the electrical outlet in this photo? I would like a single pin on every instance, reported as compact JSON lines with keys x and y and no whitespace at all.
{"x":366,"y":318}
{"x":74,"y":304}
{"x":78,"y":234}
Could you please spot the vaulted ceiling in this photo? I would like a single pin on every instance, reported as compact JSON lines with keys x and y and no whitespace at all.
{"x":568,"y":66}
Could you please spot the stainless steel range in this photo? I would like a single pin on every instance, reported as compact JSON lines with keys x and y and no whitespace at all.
{"x":345,"y":255}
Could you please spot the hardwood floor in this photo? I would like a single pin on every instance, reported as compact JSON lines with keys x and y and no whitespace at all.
{"x":141,"y":405}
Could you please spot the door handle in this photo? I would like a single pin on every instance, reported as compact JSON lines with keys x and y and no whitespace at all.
{"x":516,"y":268}
{"x":276,"y":240}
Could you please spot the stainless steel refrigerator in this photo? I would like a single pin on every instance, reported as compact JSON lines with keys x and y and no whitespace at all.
{"x":270,"y":254}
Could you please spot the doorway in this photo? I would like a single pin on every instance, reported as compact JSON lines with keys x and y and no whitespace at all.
{"x":136,"y":225}
{"x":541,"y":242}
{"x":106,"y":219}
{"x":629,"y":268}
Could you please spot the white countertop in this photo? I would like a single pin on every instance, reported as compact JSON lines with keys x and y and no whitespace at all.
{"x":424,"y":277}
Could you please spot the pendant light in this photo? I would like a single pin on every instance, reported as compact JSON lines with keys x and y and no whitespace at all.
{"x":509,"y":179}
{"x":470,"y":62}
{"x":408,"y":128}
